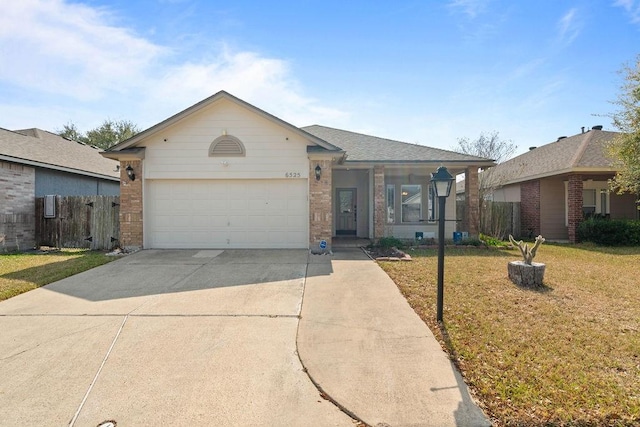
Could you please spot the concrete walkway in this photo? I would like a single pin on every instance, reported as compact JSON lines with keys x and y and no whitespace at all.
{"x":366,"y":348}
{"x":189,"y":338}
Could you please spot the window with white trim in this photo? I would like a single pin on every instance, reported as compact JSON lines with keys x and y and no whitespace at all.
{"x":411,"y":208}
{"x":391,"y":204}
{"x":432,"y":211}
{"x":588,"y":202}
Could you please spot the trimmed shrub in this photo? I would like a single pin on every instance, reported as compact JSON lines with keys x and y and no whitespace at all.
{"x":390,"y":242}
{"x":613,"y":232}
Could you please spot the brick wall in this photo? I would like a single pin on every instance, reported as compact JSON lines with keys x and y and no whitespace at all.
{"x":575,"y":205}
{"x":17,"y":207}
{"x":131,"y":206}
{"x":471,"y":221}
{"x":320,"y":204}
{"x":379,"y":207}
{"x":530,"y":208}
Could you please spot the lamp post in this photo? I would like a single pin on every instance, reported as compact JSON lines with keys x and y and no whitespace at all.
{"x":441,"y":182}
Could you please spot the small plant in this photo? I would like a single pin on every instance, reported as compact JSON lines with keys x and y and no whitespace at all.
{"x":390,"y":242}
{"x":471,"y":241}
{"x":491,"y":241}
{"x":527,"y":253}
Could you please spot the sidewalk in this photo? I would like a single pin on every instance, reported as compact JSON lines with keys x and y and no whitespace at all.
{"x":368,"y":351}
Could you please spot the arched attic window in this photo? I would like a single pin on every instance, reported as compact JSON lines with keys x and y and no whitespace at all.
{"x":227,"y":146}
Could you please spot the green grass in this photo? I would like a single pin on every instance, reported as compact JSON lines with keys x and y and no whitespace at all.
{"x":20,"y":273}
{"x":564,"y":355}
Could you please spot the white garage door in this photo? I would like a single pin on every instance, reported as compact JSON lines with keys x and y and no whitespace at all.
{"x":226,"y":213}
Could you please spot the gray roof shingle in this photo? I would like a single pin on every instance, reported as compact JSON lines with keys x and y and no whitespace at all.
{"x":584,"y":151}
{"x":367,"y":148}
{"x":49,"y":150}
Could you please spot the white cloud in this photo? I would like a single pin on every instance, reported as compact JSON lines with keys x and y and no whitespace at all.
{"x":569,"y":27}
{"x":70,"y":49}
{"x":632,"y":7}
{"x":470,"y":8}
{"x":264,"y":82}
{"x":80,"y":54}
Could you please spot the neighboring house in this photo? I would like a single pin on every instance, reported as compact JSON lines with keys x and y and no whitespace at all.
{"x":561,"y":183}
{"x":35,"y":163}
{"x":225,"y":174}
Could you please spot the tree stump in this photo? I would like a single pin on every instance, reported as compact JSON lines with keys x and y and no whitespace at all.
{"x":522,"y":274}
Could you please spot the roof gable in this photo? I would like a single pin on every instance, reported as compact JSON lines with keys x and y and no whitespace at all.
{"x":131,"y":142}
{"x":366,"y":148}
{"x":47,"y":150}
{"x":581,"y":152}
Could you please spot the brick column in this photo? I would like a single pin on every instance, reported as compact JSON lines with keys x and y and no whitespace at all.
{"x":379,"y":209}
{"x":320,"y":204}
{"x":574,"y":206}
{"x":17,"y":207}
{"x":131,"y":206}
{"x":530,"y":208}
{"x":471,"y":222}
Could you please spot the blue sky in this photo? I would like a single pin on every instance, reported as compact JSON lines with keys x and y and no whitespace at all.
{"x":426,"y":72}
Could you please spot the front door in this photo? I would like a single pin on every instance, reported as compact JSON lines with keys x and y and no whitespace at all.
{"x":346,"y":214}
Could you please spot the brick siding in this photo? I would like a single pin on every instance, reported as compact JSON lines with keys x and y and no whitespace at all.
{"x":530,"y":208}
{"x":131,"y":206}
{"x":379,"y":204}
{"x":320,"y":204}
{"x":17,"y":207}
{"x":574,"y":206}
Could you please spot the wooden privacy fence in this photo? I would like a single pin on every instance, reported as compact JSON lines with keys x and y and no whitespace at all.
{"x":499,"y":219}
{"x":78,"y":222}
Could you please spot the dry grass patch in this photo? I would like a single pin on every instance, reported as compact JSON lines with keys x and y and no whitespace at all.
{"x":568,"y":354}
{"x":23,"y":272}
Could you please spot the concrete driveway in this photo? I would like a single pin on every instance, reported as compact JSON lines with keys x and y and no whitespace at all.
{"x":178,"y":338}
{"x":205,"y":337}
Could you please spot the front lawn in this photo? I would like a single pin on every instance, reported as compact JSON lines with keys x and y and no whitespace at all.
{"x":565,"y":355}
{"x":22,"y":272}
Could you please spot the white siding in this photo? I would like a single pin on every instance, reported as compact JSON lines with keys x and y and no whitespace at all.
{"x":181,"y":151}
{"x":193,"y":200}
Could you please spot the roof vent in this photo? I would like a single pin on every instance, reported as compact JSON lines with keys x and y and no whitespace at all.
{"x":561,"y":137}
{"x":598,"y":127}
{"x":532,"y":148}
{"x":227,"y":146}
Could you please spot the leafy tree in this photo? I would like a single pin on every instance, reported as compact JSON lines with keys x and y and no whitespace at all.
{"x":625,"y":148}
{"x":108,"y":134}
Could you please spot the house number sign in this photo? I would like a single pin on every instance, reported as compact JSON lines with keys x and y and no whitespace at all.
{"x":292,"y":175}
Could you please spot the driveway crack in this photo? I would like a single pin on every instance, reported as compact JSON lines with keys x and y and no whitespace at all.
{"x":321,"y":391}
{"x":95,"y":378}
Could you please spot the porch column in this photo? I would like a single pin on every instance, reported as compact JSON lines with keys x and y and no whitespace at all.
{"x":320,"y":203}
{"x":530,"y":209}
{"x":131,"y":205}
{"x":379,"y":215}
{"x":574,"y":206}
{"x":471,"y":221}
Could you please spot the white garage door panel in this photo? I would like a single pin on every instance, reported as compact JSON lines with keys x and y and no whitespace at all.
{"x":226,"y":213}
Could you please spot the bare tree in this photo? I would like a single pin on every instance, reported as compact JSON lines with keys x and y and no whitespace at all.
{"x":488,"y":146}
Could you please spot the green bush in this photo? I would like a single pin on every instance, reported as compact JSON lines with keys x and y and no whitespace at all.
{"x":471,"y":241}
{"x":390,"y":242}
{"x":610,"y":232}
{"x":492,"y":241}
